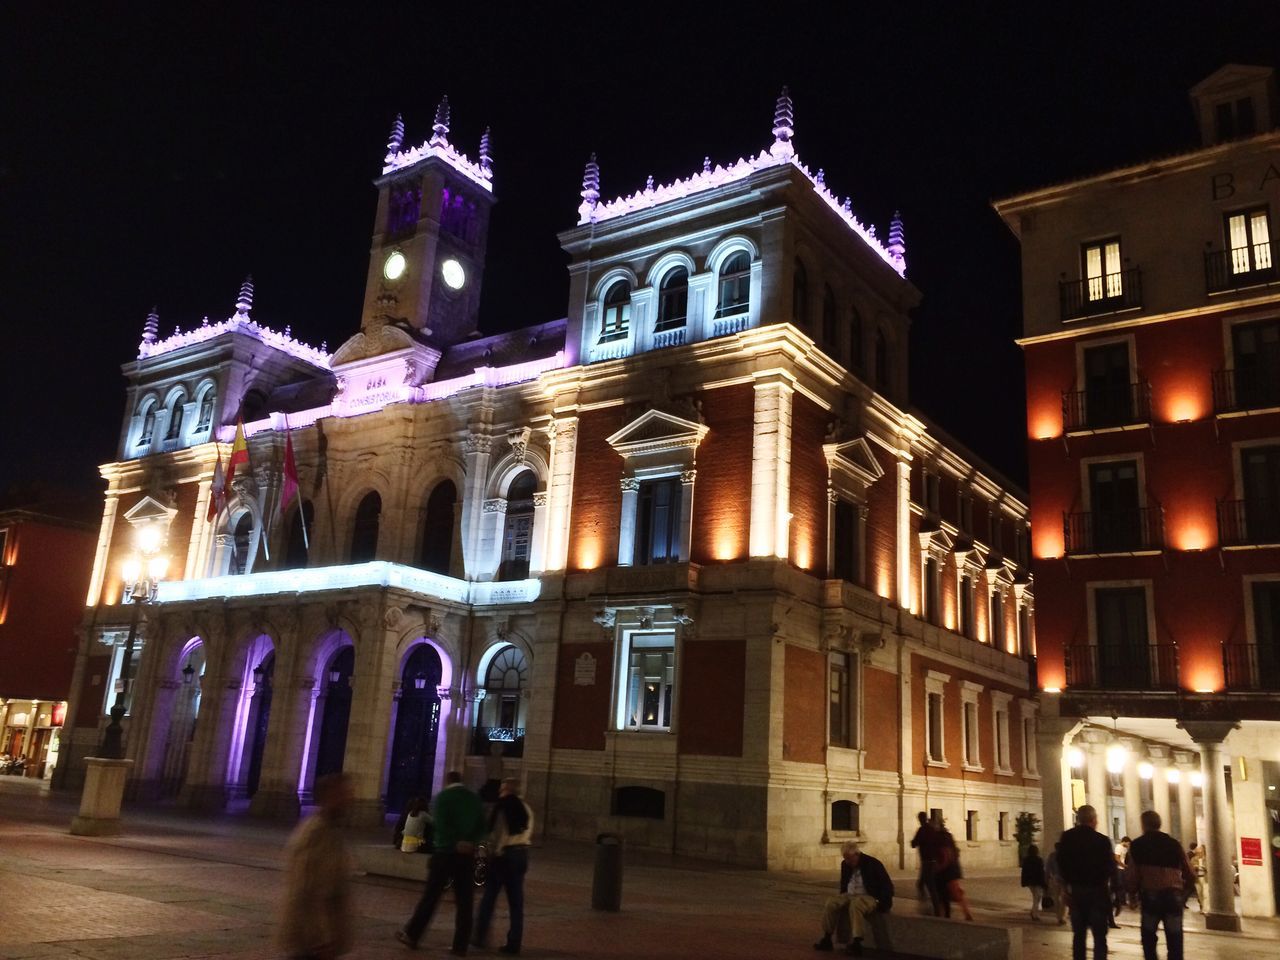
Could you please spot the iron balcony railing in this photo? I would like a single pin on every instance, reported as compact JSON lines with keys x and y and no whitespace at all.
{"x":510,"y":739}
{"x":1114,"y":531}
{"x":1149,"y":666}
{"x":1239,"y":267}
{"x":1099,"y":408}
{"x":1248,"y":666}
{"x":1248,"y":522}
{"x":1094,"y":296}
{"x":1252,"y":388}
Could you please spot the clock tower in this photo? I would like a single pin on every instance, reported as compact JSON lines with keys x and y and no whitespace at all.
{"x":432,"y":225}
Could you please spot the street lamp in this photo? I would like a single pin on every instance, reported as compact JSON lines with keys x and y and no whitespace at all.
{"x":142,"y":574}
{"x":188,"y":674}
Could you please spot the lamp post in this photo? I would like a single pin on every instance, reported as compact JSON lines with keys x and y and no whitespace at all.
{"x":142,"y":574}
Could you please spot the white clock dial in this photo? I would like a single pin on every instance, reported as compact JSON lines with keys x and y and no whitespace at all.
{"x":454,"y":276}
{"x":394,"y":266}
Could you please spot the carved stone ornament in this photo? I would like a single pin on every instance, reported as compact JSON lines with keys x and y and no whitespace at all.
{"x":629,"y":484}
{"x":869,"y":643}
{"x":392,"y":618}
{"x":519,"y":440}
{"x":341,"y":386}
{"x":502,"y":627}
{"x":540,"y":500}
{"x":410,"y":372}
{"x":497,"y":505}
{"x":477,"y":443}
{"x":688,"y":476}
{"x":646,"y":618}
{"x":607,"y":617}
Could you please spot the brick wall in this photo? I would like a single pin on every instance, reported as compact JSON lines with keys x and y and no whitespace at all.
{"x":880,"y":719}
{"x":712,"y":695}
{"x":582,"y":711}
{"x":597,"y":498}
{"x":808,"y":547}
{"x":804,"y":720}
{"x":722,"y":491}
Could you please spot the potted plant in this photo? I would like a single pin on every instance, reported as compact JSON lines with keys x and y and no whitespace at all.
{"x":1025,"y":829}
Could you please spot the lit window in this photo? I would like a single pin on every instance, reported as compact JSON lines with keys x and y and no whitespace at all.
{"x":206,"y":411}
{"x":650,"y":682}
{"x":148,"y":425}
{"x":617,"y":312}
{"x":658,"y":521}
{"x":175,"y":420}
{"x":517,"y":533}
{"x":673,"y":300}
{"x":1249,"y":239}
{"x":735,"y":286}
{"x":1103,"y":276}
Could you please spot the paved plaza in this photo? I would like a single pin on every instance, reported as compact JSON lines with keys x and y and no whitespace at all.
{"x":178,"y":886}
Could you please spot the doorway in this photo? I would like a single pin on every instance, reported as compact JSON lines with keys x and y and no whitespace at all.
{"x":413,"y":752}
{"x":337,"y":712}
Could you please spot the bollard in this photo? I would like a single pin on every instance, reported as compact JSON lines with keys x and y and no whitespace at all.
{"x":606,"y":884}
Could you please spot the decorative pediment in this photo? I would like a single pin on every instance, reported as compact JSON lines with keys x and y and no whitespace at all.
{"x":656,"y":431}
{"x":150,"y":510}
{"x":855,"y":458}
{"x":998,"y":575}
{"x":936,"y":541}
{"x":970,"y":554}
{"x":374,"y":343}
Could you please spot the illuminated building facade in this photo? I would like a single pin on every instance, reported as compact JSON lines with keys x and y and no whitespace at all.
{"x":1152,"y":342}
{"x":44,"y":571}
{"x":682,"y":560}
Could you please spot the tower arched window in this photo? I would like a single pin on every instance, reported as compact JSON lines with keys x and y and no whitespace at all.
{"x":830,"y":335}
{"x":735,"y":286}
{"x":517,"y":533}
{"x":148,"y":425}
{"x":296,"y":547}
{"x":364,"y":534}
{"x":616,"y":320}
{"x":437,"y":528}
{"x":176,"y":410}
{"x":206,"y":410}
{"x":881,"y":362}
{"x":673,"y":300}
{"x":241,"y":541}
{"x":800,"y":297}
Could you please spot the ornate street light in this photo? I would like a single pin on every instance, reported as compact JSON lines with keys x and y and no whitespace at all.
{"x":420,"y":682}
{"x":188,"y":674}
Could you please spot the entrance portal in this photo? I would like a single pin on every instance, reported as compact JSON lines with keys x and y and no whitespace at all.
{"x":259,"y":715}
{"x":337,"y":712}
{"x":413,"y":752}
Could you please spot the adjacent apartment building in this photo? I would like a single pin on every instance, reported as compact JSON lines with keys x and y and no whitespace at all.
{"x":1152,"y":344}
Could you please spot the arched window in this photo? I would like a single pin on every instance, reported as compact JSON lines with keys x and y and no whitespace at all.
{"x":735,"y":285}
{"x":855,"y":339}
{"x":829,"y":333}
{"x":437,"y":529}
{"x":844,"y":816}
{"x":206,"y":410}
{"x":517,"y":534}
{"x":881,"y":362}
{"x":500,"y":714}
{"x":148,"y":425}
{"x":364,"y":535}
{"x":295,"y":551}
{"x":617,"y":312}
{"x":673,"y":300}
{"x":242,"y":540}
{"x":800,"y":297}
{"x":175,"y":419}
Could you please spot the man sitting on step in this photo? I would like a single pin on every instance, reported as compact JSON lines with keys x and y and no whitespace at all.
{"x":865,"y":889}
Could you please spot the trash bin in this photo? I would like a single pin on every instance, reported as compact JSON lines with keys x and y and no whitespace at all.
{"x":606,"y":884}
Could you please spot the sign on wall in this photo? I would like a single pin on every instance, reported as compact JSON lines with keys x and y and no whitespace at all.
{"x":584,"y":671}
{"x":1251,"y":851}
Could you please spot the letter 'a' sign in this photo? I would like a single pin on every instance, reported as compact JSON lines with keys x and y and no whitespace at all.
{"x":584,"y":671}
{"x":1251,"y":851}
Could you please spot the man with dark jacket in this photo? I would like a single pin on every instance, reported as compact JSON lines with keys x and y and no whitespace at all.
{"x":1088,"y":865}
{"x":1157,"y":871}
{"x":928,"y":841}
{"x":865,"y":888}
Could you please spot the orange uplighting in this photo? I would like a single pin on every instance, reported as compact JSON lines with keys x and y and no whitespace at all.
{"x":1045,"y":424}
{"x":1184,"y":405}
{"x":1206,"y":680}
{"x":1191,"y":537}
{"x":1047,"y":544}
{"x":589,"y":554}
{"x":882,"y":582}
{"x":804,"y":552}
{"x":726,"y":546}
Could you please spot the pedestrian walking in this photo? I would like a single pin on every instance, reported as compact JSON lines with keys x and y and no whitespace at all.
{"x":949,"y":875}
{"x":1118,"y":887}
{"x":510,"y":832}
{"x":1088,"y":866}
{"x":926,"y":841}
{"x":458,"y":820}
{"x":1157,"y":873}
{"x":1033,"y":879}
{"x":1056,"y":888}
{"x":315,"y":920}
{"x":1199,"y":868}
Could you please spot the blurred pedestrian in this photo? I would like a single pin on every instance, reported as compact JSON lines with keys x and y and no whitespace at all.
{"x":1056,"y":888}
{"x":510,"y":833}
{"x":1200,"y":869}
{"x":926,"y":841}
{"x":1157,"y":872}
{"x":1088,"y":867}
{"x":315,"y":920}
{"x":1033,"y":879}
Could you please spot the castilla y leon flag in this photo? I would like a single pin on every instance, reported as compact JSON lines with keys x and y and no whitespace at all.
{"x":239,"y":453}
{"x":289,"y":475}
{"x":217,"y":490}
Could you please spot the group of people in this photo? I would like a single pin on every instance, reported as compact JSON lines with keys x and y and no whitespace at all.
{"x":316,"y":920}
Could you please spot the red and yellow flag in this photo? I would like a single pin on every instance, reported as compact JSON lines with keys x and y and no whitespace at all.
{"x":239,"y":453}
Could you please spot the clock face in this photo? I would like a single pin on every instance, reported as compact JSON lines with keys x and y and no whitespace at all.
{"x":394,"y":266}
{"x":454,"y":276}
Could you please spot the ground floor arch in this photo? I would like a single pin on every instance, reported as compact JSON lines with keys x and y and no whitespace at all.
{"x":416,"y":727}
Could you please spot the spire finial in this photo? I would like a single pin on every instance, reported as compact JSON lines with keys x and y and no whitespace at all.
{"x":244,"y":302}
{"x":396,"y":139}
{"x":897,"y":245}
{"x":847,"y":206}
{"x":783,"y":126}
{"x":151,"y":328}
{"x":440,"y":129}
{"x":486,"y":161}
{"x":821,"y":178}
{"x":706,"y":164}
{"x":590,"y":190}
{"x":648,"y":184}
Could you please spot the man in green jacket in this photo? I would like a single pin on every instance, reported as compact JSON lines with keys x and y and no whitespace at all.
{"x":459,"y":826}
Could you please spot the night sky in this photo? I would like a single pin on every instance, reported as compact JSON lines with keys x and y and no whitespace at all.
{"x":157,"y":159}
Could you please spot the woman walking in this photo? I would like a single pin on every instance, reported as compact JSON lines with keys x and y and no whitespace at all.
{"x":1033,"y":879}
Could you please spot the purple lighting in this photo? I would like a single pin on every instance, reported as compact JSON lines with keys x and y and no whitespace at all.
{"x":207,"y":331}
{"x":478,"y":172}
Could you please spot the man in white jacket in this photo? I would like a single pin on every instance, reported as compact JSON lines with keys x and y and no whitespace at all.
{"x":510,"y":830}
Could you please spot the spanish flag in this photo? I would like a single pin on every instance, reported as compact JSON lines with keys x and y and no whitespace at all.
{"x":239,"y":453}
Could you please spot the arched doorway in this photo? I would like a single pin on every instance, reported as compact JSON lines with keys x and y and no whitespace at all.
{"x":437,"y":529}
{"x":259,"y":715}
{"x":413,"y":750}
{"x":242,"y":541}
{"x":337,"y":712}
{"x":183,"y":718}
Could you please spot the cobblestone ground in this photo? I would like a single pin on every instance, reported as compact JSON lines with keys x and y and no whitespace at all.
{"x":176,"y":886}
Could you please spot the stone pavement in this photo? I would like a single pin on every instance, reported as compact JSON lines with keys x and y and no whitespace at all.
{"x":180,"y":886}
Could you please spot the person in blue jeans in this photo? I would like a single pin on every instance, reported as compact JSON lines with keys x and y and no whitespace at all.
{"x":1157,"y":872}
{"x":1088,"y":867}
{"x":510,"y":831}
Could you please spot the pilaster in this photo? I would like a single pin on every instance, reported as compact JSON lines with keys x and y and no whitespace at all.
{"x":564,"y":449}
{"x":771,"y":466}
{"x":476,"y":452}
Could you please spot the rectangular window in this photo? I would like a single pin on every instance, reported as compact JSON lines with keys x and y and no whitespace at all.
{"x":1002,"y":826}
{"x":1115,"y":517}
{"x":932,"y":493}
{"x":1024,"y":630}
{"x":933,"y":591}
{"x":934,"y":729}
{"x":1266,"y":629}
{"x":1108,"y":385}
{"x":1102,"y":270}
{"x":658,"y":521}
{"x":1249,"y":240}
{"x":971,"y":825}
{"x":1256,"y":351}
{"x":650,"y":679}
{"x":972,"y":757}
{"x":1260,"y":476}
{"x":1003,"y":758}
{"x":967,"y":619}
{"x":1029,"y":745}
{"x":996,"y":528}
{"x":840,"y":700}
{"x":846,"y":542}
{"x":995,"y":631}
{"x":1120,"y":626}
{"x":964,"y":511}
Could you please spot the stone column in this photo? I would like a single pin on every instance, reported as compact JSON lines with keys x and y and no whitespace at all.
{"x":1160,"y":786}
{"x":369,"y":726}
{"x":1096,"y":779}
{"x":902,"y":575}
{"x":1253,"y":821}
{"x":475,"y":450}
{"x":1208,"y":736}
{"x":1185,"y":764}
{"x":103,"y":549}
{"x":287,"y":727}
{"x":1132,"y":787}
{"x":206,"y":784}
{"x":564,"y":451}
{"x":199,"y":533}
{"x":1052,"y":736}
{"x":543,"y":670}
{"x":627,"y":527}
{"x":771,"y":467}
{"x":687,"y":478}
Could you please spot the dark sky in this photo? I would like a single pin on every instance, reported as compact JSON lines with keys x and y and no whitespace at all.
{"x":158,"y":158}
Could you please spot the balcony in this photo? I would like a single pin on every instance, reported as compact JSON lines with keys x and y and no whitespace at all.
{"x":1235,"y":391}
{"x":511,"y":739}
{"x":1248,"y":523}
{"x":1148,"y":667}
{"x":1248,"y":667}
{"x":1098,"y":296}
{"x":1138,"y":530}
{"x":1238,"y":268}
{"x":1106,"y":408}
